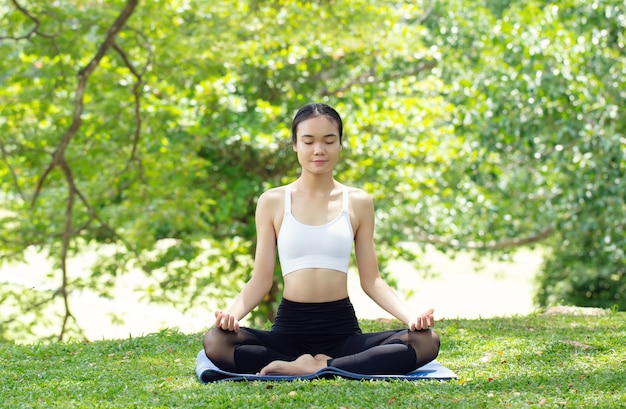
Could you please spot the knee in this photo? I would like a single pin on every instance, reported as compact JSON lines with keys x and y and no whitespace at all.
{"x":435,"y":338}
{"x":426,"y":343}
{"x":436,"y":342}
{"x":424,"y":338}
{"x":212,"y":339}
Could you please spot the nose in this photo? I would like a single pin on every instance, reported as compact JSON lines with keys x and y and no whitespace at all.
{"x":318,"y":149}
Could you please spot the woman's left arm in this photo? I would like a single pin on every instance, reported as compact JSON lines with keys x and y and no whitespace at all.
{"x":367,"y":263}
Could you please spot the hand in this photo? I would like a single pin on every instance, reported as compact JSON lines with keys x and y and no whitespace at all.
{"x":226,"y":321}
{"x":423,"y":321}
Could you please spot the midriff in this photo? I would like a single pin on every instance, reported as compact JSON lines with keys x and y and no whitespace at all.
{"x":315,"y":285}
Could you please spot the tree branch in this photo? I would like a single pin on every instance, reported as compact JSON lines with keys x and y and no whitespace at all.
{"x":425,"y":14}
{"x":490,"y":245}
{"x":58,"y":157}
{"x":5,"y":158}
{"x":94,"y":215}
{"x":137,"y":95}
{"x":83,"y":77}
{"x":67,"y":236}
{"x":34,"y":30}
{"x":31,"y":307}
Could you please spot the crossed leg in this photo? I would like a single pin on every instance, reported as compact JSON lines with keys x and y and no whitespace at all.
{"x":246,"y":351}
{"x":267,"y":353}
{"x":383,"y":353}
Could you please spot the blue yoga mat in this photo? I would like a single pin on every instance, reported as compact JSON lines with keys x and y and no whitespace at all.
{"x":207,"y":372}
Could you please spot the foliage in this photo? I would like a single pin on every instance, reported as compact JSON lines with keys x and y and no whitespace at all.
{"x":539,"y":102}
{"x":152,"y":127}
{"x":170,"y":143}
{"x":531,"y":361}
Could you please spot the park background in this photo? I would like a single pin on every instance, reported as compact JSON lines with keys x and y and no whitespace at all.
{"x":456,"y":288}
{"x":136,"y":137}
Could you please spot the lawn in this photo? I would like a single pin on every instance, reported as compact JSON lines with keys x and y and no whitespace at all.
{"x":562,"y":361}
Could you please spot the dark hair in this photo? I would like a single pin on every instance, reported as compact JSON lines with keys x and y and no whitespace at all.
{"x":312,"y":110}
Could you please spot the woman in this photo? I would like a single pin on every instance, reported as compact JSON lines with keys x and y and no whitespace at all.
{"x":312,"y":223}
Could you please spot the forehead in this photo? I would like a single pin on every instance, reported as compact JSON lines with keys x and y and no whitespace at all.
{"x":318,"y":125}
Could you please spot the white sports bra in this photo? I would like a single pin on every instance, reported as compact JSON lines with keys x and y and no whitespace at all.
{"x":323,"y":246}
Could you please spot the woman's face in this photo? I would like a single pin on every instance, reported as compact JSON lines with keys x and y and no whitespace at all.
{"x":317,"y":144}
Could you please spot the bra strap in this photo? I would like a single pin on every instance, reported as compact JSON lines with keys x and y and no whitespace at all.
{"x":288,"y":199}
{"x":344,"y":205}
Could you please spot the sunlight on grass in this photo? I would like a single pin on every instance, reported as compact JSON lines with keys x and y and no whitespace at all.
{"x":523,"y":361}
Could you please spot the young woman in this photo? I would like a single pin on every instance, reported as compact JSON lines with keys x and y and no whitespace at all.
{"x":312,"y":223}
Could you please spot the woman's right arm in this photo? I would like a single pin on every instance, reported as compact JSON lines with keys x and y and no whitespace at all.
{"x":264,"y":262}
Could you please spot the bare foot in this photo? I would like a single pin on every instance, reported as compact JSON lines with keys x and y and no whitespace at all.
{"x":304,"y":365}
{"x":322,"y":357}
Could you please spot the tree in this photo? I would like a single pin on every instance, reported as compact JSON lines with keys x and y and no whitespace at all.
{"x":138,"y":124}
{"x":537,"y":89}
{"x":163,"y":136}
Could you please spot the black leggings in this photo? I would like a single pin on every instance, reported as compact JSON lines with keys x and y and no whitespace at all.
{"x":329,"y":328}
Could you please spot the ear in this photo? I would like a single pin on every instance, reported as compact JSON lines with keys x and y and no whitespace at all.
{"x":294,"y":147}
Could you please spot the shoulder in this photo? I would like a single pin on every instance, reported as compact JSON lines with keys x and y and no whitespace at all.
{"x":271,"y":202}
{"x":359,"y":197}
{"x":270,"y":206}
{"x":361,"y":208}
{"x":361,"y":204}
{"x":272,"y":196}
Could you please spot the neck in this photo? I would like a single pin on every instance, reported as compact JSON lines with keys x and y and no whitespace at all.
{"x":316,"y":182}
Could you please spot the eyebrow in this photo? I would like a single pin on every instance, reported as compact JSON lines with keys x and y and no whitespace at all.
{"x":330,"y":135}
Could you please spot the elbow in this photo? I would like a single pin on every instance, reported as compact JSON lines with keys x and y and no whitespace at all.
{"x":368,"y":288}
{"x":372,"y":286}
{"x":268,"y":285}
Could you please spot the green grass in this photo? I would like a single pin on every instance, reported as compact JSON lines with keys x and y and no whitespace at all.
{"x":517,"y":362}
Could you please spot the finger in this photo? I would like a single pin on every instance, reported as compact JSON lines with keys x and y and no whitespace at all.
{"x":224,"y":322}
{"x":218,"y":319}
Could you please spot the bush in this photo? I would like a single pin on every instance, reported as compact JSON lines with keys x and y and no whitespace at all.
{"x":586,"y":276}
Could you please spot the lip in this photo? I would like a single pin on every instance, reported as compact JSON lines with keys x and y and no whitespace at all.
{"x":319,"y":161}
